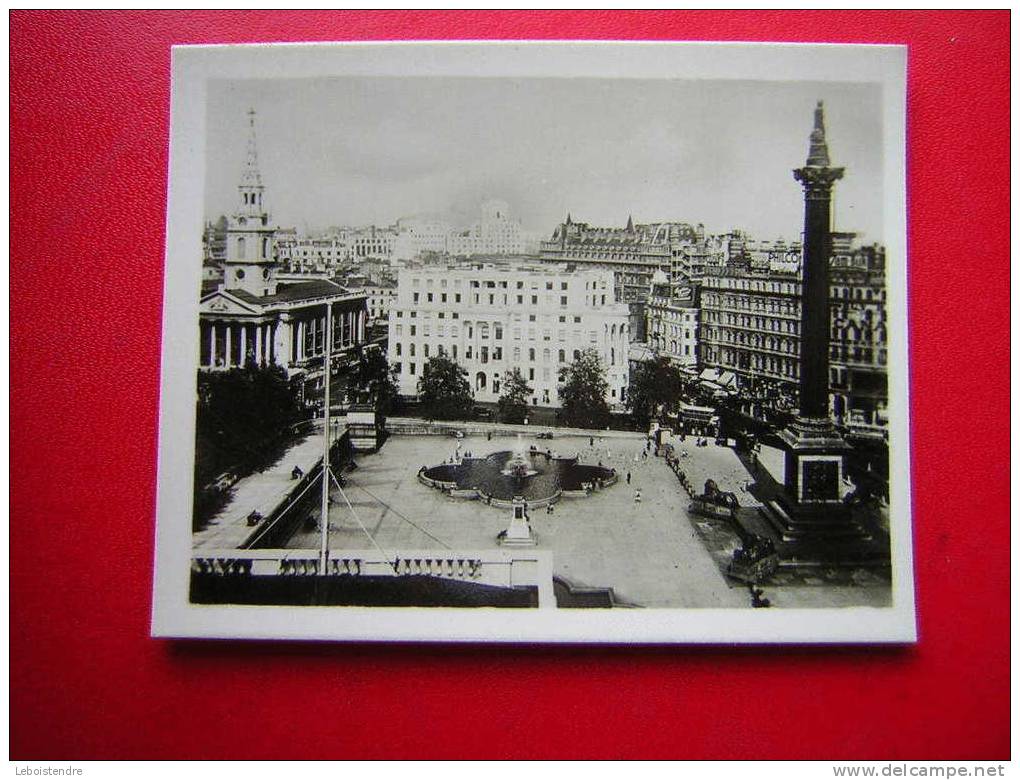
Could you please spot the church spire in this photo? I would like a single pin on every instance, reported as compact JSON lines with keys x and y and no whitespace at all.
{"x":818,"y":154}
{"x":630,"y":223}
{"x":250,"y":261}
{"x":250,"y":185}
{"x":251,"y":176}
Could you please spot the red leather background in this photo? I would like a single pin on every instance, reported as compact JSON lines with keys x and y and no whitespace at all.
{"x":89,"y":115}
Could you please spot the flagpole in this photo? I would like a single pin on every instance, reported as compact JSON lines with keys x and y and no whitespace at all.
{"x":327,"y":369}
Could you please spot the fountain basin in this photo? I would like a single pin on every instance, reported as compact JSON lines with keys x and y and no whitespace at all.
{"x":492,"y":480}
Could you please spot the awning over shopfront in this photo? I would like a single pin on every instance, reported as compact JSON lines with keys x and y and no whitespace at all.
{"x":640,"y":353}
{"x":692,"y":413}
{"x":718,"y":380}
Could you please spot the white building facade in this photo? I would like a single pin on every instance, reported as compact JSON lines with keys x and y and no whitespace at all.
{"x":418,"y":235}
{"x":372,"y":241}
{"x":672,"y":324}
{"x":492,"y":319}
{"x":497,"y":233}
{"x":311,"y":255}
{"x":380,"y":301}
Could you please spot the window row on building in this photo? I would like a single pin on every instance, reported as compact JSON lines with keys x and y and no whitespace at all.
{"x":540,"y":332}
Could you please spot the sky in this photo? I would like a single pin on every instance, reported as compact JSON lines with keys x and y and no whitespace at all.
{"x":368,"y":150}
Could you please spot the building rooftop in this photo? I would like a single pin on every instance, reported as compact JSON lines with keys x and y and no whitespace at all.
{"x":531,"y":267}
{"x":290,"y":293}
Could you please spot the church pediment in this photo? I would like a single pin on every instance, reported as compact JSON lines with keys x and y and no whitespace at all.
{"x":221,"y":302}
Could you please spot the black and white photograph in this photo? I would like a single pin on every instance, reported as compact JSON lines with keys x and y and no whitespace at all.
{"x":587,"y":342}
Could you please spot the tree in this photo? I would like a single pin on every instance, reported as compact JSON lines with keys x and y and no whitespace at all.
{"x":375,"y":378}
{"x":239,"y":411}
{"x":243,"y":417}
{"x":444,"y":391}
{"x":655,"y":385}
{"x":583,"y":392}
{"x":513,"y":403}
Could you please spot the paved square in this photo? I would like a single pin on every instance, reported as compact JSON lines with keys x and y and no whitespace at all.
{"x":653,"y":553}
{"x":647,"y":552}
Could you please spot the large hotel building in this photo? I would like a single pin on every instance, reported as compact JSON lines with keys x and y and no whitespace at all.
{"x":632,"y":254}
{"x":494,"y":319}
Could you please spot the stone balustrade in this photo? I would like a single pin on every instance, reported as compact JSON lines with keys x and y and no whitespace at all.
{"x":489,"y":567}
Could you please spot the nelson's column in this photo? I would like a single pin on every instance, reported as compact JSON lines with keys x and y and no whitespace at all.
{"x":815,"y":450}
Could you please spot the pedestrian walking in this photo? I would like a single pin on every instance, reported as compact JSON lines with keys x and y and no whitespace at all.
{"x":637,"y":496}
{"x":628,"y":477}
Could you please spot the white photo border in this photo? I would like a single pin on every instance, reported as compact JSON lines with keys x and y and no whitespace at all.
{"x":193,"y":66}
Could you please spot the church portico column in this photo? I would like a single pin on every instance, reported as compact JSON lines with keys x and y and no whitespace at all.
{"x":229,"y":348}
{"x":243,"y":355}
{"x":282,"y":340}
{"x":212,"y":344}
{"x":258,"y":344}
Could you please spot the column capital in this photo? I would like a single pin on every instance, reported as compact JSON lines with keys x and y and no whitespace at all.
{"x":817,"y":182}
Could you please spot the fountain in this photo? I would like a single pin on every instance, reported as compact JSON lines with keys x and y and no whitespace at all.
{"x":536,"y":477}
{"x":519,"y":464}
